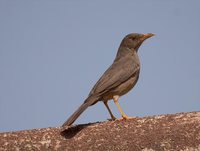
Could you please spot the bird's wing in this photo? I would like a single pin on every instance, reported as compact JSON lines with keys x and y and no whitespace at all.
{"x":116,"y":74}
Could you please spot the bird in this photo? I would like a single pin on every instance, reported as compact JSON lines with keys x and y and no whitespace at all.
{"x":118,"y":79}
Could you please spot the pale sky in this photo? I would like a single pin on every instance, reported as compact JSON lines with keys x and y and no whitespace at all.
{"x":53,"y":52}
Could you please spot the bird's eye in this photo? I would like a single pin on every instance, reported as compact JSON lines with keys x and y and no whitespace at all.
{"x":132,"y":38}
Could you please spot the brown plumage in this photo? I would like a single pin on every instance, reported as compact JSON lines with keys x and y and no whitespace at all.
{"x":118,"y":79}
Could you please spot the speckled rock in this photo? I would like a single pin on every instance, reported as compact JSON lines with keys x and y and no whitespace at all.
{"x":174,"y":132}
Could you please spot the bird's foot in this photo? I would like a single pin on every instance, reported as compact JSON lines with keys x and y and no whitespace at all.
{"x":112,"y":119}
{"x":109,"y":119}
{"x":125,"y":117}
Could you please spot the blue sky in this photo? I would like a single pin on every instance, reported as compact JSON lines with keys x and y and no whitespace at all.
{"x":53,"y":52}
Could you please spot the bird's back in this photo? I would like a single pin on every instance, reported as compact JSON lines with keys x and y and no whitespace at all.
{"x":119,"y":72}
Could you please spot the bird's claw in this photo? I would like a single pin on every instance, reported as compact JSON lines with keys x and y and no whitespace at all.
{"x":112,"y":119}
{"x":125,"y":117}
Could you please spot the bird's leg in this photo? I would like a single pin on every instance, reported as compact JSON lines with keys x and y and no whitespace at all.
{"x":124,"y":116}
{"x":111,"y":115}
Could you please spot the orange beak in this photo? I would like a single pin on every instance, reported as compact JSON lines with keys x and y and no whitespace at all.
{"x":145,"y":36}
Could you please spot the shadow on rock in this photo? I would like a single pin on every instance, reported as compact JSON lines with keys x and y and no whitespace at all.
{"x":71,"y":131}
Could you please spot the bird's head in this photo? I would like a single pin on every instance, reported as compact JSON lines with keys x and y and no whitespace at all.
{"x":134,"y":40}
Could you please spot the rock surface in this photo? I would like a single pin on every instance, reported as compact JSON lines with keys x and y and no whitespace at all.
{"x":179,"y":131}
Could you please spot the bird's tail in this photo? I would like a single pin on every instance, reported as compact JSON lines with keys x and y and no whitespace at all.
{"x":88,"y":102}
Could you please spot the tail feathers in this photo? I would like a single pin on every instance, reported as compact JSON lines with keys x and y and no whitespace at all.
{"x":78,"y":112}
